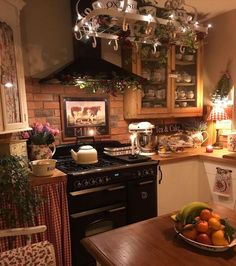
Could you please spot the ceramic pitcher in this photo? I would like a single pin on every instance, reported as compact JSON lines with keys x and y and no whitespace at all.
{"x":199,"y":137}
{"x":37,"y":152}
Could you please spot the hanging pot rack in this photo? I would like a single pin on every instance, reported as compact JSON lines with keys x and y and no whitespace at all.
{"x":112,"y":24}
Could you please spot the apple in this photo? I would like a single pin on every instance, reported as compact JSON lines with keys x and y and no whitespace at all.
{"x":204,"y":239}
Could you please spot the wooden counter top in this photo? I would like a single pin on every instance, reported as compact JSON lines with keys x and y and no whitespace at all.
{"x":191,"y":153}
{"x":188,"y":154}
{"x":40,"y":180}
{"x":154,"y":243}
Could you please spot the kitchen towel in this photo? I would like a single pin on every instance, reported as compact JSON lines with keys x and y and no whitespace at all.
{"x":223,"y":182}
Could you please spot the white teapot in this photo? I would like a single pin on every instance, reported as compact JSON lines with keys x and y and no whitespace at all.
{"x":85,"y":155}
{"x":199,"y":137}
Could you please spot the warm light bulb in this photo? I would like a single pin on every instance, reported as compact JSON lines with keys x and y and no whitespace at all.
{"x":91,"y":132}
{"x":209,"y":26}
{"x":8,"y":85}
{"x":76,"y":28}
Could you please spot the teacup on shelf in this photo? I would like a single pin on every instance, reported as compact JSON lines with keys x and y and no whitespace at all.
{"x":183,"y":104}
{"x":182,"y":95}
{"x":190,"y":94}
{"x":178,"y":56}
{"x":188,"y":57}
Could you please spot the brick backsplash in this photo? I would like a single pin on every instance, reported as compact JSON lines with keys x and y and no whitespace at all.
{"x":43,"y":102}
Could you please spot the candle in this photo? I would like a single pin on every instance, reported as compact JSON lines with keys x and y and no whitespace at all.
{"x":209,"y":148}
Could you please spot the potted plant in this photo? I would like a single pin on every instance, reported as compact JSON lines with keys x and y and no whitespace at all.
{"x":19,"y":202}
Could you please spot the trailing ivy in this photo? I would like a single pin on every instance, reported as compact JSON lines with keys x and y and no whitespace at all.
{"x":19,"y":202}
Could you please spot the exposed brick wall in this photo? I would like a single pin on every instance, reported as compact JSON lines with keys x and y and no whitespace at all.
{"x":44,"y":106}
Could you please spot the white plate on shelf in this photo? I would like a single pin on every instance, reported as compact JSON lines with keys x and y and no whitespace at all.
{"x":206,"y":247}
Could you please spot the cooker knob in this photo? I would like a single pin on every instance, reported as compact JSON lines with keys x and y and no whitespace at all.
{"x":93,"y":181}
{"x":151,"y":172}
{"x":139,"y":173}
{"x":146,"y":172}
{"x":86,"y":182}
{"x":77,"y":184}
{"x":100,"y":180}
{"x":107,"y":179}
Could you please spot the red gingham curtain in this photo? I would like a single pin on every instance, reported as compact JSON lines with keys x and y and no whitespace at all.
{"x":53,"y":214}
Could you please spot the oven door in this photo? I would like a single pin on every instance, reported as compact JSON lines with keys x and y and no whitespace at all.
{"x":93,"y":198}
{"x":142,"y":199}
{"x":92,"y":222}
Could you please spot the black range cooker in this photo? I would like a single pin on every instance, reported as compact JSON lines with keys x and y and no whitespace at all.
{"x":113,"y":192}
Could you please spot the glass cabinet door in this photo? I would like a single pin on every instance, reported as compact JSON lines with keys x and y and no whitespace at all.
{"x":186,"y":90}
{"x":153,"y":67}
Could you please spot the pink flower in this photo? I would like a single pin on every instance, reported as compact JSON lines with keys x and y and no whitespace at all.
{"x":41,"y":134}
{"x":25,"y":135}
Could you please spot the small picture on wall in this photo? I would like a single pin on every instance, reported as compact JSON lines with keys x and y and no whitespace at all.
{"x":84,"y":117}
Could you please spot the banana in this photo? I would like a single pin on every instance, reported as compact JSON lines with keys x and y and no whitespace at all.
{"x":189,"y":211}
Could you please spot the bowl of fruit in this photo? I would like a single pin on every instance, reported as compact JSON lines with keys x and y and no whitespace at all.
{"x":198,"y":225}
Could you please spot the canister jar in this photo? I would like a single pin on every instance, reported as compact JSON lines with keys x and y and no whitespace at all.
{"x":231,"y":141}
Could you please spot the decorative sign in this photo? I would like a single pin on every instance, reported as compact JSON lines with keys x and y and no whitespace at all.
{"x":170,"y":128}
{"x":83,"y":117}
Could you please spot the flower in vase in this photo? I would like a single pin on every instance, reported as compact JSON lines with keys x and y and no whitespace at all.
{"x":41,"y":134}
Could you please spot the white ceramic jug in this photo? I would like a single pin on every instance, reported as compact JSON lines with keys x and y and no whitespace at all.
{"x":199,"y":137}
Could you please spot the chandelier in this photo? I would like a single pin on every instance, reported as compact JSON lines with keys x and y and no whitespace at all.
{"x":140,"y":21}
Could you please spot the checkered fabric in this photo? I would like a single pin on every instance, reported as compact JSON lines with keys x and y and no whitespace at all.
{"x":54,"y":214}
{"x":217,"y":114}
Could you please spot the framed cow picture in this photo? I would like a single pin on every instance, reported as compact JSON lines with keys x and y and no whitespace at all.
{"x":84,"y":117}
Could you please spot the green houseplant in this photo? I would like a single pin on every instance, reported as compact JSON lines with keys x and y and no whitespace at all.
{"x":19,"y":202}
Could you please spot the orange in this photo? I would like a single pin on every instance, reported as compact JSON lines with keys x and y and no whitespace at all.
{"x":202,"y":226}
{"x":218,"y":238}
{"x":215,"y":215}
{"x":205,"y":214}
{"x":214,"y":223}
{"x":189,"y":231}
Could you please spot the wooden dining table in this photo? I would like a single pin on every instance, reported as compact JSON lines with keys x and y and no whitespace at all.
{"x":154,"y":242}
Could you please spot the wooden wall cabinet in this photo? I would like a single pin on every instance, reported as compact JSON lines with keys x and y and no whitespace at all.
{"x":174,"y":89}
{"x":13,"y":107}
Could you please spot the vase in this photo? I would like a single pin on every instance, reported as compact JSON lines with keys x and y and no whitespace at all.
{"x":44,"y":151}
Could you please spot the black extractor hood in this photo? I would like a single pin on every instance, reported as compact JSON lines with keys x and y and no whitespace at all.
{"x":89,"y":65}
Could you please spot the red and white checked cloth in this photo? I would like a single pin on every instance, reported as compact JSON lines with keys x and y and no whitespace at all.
{"x":54,"y":214}
{"x":217,"y":114}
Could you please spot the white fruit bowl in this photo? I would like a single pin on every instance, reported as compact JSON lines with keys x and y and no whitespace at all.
{"x":203,"y":246}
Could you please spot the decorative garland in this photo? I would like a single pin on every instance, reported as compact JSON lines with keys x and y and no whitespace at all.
{"x":114,"y":86}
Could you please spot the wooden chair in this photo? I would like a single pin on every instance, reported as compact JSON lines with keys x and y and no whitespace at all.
{"x":33,"y":254}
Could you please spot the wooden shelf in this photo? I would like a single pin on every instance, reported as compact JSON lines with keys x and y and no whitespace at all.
{"x":185,"y":63}
{"x":185,"y":100}
{"x":184,"y":84}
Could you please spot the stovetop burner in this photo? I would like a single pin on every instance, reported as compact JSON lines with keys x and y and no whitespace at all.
{"x":106,"y":163}
{"x":69,"y":166}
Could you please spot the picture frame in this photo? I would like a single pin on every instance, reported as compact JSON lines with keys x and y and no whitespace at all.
{"x":84,"y":117}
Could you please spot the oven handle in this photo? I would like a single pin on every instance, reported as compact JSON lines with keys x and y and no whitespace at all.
{"x":93,"y":190}
{"x":145,"y":183}
{"x":117,"y":209}
{"x":116,"y":188}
